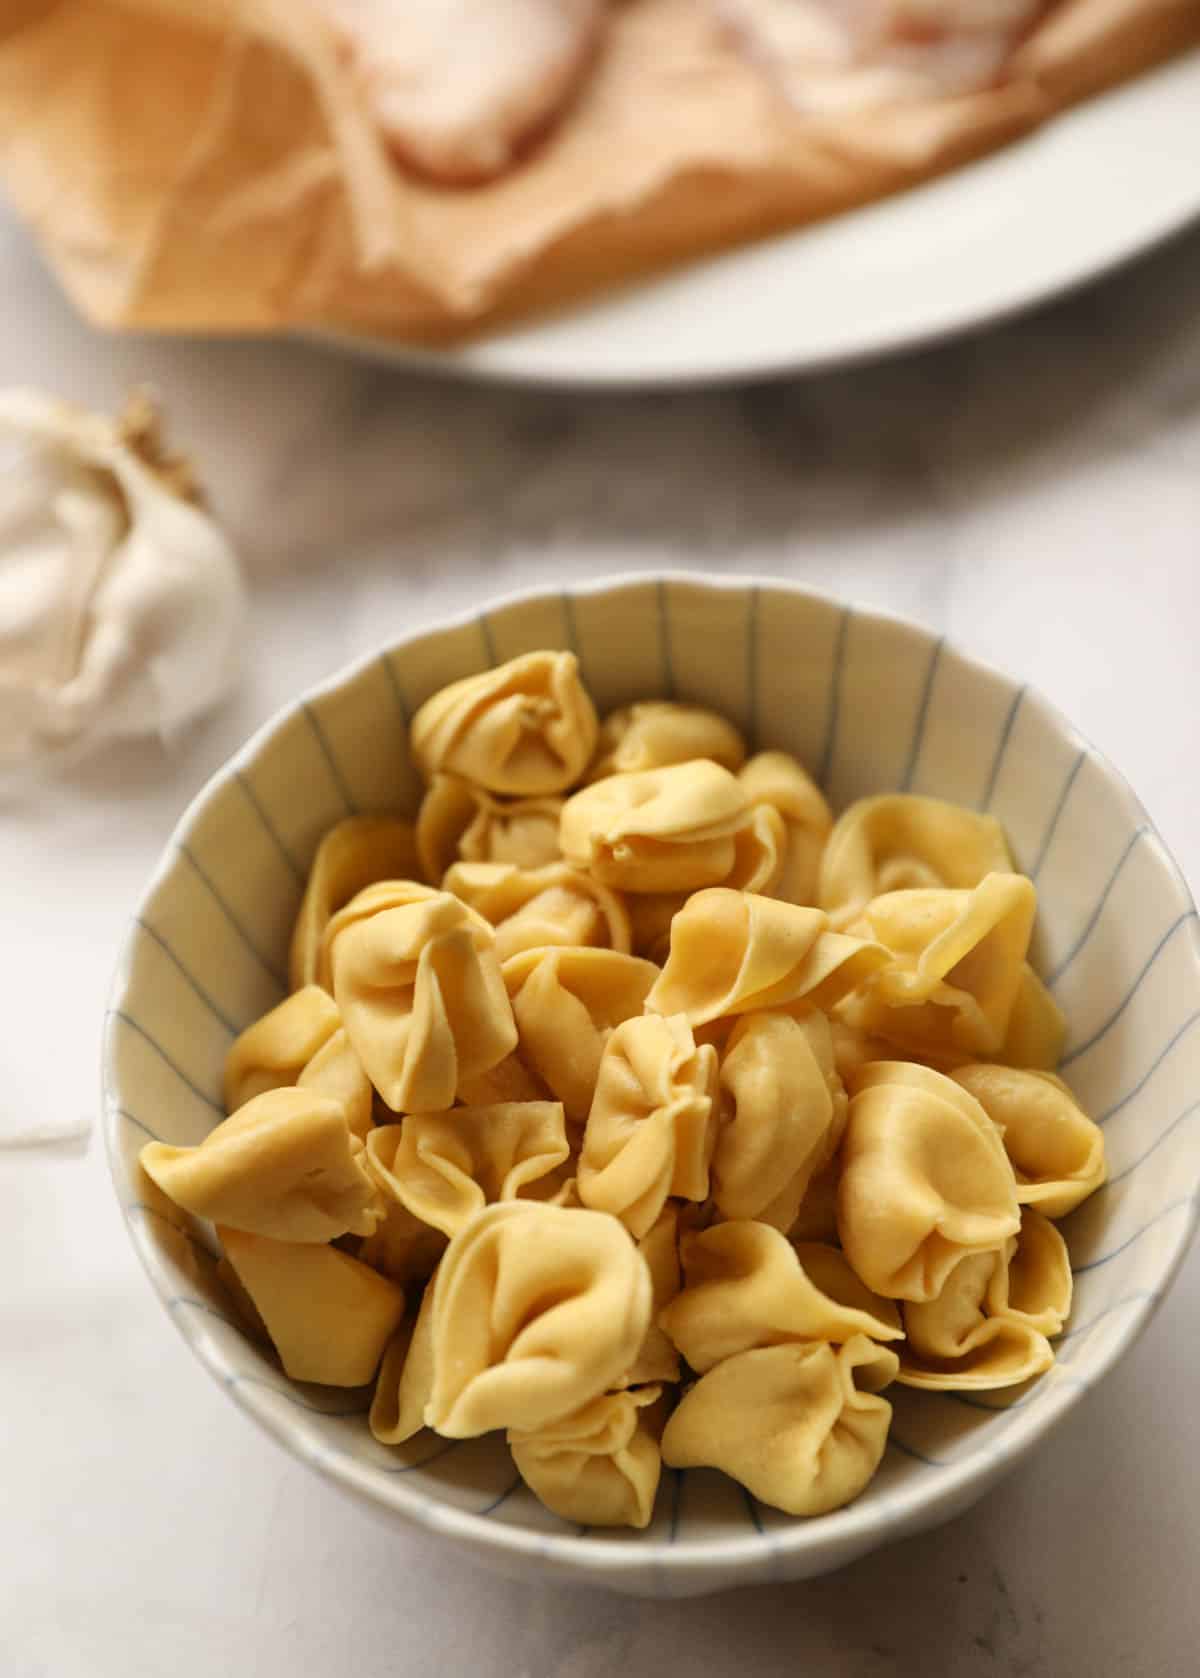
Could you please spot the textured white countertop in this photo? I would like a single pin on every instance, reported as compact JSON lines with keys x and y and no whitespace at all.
{"x":1035,"y":493}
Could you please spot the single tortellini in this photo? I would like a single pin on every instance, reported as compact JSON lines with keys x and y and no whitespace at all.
{"x":746,"y":1285}
{"x":416,"y":979}
{"x":444,"y":1167}
{"x":286,"y":1165}
{"x":801,"y":1426}
{"x":567,"y":1003}
{"x":353,"y":855}
{"x":460,"y":822}
{"x":532,"y":908}
{"x":526,"y":728}
{"x":899,"y":841}
{"x":536,"y":1310}
{"x":273,"y":1052}
{"x":777,"y":781}
{"x":658,"y":1359}
{"x":653,"y":1122}
{"x":656,"y":733}
{"x":329,"y":1315}
{"x":785,"y":1109}
{"x":599,"y":1466}
{"x":989,"y":1325}
{"x":958,"y":962}
{"x":736,"y":952}
{"x":925,"y":1180}
{"x":1057,"y":1152}
{"x":672,"y":829}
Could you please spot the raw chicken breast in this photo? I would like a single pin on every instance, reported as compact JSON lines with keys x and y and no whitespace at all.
{"x":457,"y":85}
{"x":832,"y":55}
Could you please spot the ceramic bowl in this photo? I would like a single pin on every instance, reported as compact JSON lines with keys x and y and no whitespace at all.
{"x":869,"y":703}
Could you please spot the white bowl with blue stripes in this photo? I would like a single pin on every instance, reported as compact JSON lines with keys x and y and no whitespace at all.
{"x":868,"y":703}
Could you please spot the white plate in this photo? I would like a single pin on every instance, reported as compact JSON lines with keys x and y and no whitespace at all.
{"x":1087,"y":192}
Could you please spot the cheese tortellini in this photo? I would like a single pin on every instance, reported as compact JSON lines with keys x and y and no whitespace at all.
{"x":416,"y":979}
{"x":925,"y":1180}
{"x":801,"y":1426}
{"x":957,"y":963}
{"x":990,"y":1326}
{"x":1057,"y":1152}
{"x":527,"y":728}
{"x":748,"y":1286}
{"x":900,"y":842}
{"x":286,"y":1165}
{"x":735,"y":952}
{"x":599,"y":1466}
{"x":631,"y":1108}
{"x":536,"y":1310}
{"x":785,"y":1112}
{"x":672,"y":829}
{"x":652,"y":1126}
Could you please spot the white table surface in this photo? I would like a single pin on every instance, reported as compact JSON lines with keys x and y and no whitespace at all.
{"x":1034,"y":492}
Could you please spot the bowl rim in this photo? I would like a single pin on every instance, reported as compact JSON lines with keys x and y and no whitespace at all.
{"x":844,"y":1529}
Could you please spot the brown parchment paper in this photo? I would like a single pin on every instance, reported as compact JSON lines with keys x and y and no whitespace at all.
{"x":205,"y":165}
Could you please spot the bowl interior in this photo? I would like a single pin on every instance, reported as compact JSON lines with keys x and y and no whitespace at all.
{"x":869,"y":704}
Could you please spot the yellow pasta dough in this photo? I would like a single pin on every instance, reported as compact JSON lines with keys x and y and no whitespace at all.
{"x":566,"y":1003}
{"x":658,"y":830}
{"x":958,"y":958}
{"x":658,"y":1360}
{"x":656,"y":733}
{"x":402,"y":1247}
{"x":652,"y":1125}
{"x":536,"y":1310}
{"x":1037,"y":1027}
{"x":989,"y":1325}
{"x":329,"y":1316}
{"x":1057,"y":1152}
{"x":274,"y":1051}
{"x":925,"y":1180}
{"x":353,"y":855}
{"x":526,"y":728}
{"x":747,"y":1286}
{"x":533,"y":908}
{"x":286,"y":1165}
{"x":444,"y":1167}
{"x":418,"y":985}
{"x":336,"y":1070}
{"x":777,"y":781}
{"x":785,"y":1109}
{"x":405,"y":1380}
{"x":599,"y":1466}
{"x":460,"y":822}
{"x":898,"y":841}
{"x":734,"y":952}
{"x":800,"y":1426}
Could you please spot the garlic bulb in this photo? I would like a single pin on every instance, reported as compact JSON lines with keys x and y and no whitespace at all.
{"x":121,"y":602}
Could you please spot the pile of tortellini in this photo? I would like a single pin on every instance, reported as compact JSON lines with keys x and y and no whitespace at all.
{"x":662,"y":1120}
